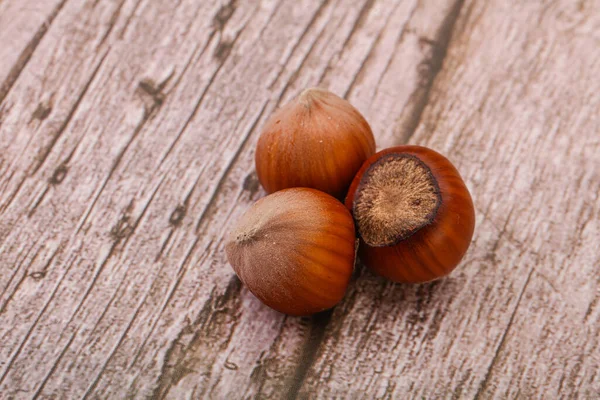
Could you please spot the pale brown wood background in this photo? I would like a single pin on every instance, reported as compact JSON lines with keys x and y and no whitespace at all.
{"x":127,"y":131}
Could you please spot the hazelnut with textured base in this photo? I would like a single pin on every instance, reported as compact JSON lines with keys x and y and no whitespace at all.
{"x":294,"y":250}
{"x":413,"y":213}
{"x":317,"y":141}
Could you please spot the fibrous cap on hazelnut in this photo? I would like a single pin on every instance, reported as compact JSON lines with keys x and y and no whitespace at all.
{"x":397,"y":196}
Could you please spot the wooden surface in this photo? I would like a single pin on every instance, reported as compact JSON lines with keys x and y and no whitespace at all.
{"x":127,"y":130}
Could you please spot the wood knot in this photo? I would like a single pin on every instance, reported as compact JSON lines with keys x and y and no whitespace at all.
{"x":122,"y":229}
{"x":229,"y":365}
{"x":224,"y":14}
{"x":153,"y":92}
{"x":177,"y":215}
{"x":425,"y":41}
{"x":42,"y":111}
{"x":223,"y":50}
{"x":38,"y":275}
{"x":251,"y":184}
{"x":59,"y":174}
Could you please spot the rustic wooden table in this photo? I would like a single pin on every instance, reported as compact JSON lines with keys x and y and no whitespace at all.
{"x":127,"y":133}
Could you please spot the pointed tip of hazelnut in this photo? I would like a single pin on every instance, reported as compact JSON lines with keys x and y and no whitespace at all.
{"x":310,"y":94}
{"x":312,"y":90}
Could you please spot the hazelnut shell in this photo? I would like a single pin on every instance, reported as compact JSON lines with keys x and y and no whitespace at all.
{"x":318,"y":141}
{"x":433,"y":249}
{"x":294,"y":250}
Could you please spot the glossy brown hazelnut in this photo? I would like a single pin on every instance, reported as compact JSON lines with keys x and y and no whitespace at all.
{"x":413,"y":213}
{"x":294,"y":250}
{"x":319,"y":141}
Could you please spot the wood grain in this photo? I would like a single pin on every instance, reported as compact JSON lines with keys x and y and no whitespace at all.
{"x":515,"y":107}
{"x":127,"y":133}
{"x":23,"y":24}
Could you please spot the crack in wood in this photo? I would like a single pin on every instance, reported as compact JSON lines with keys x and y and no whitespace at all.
{"x":115,"y":165}
{"x":210,"y":205}
{"x":46,"y":378}
{"x":41,"y":158}
{"x":376,"y":42}
{"x":3,"y":111}
{"x":15,"y":290}
{"x":38,"y":201}
{"x":164,"y":245}
{"x":111,"y":23}
{"x":65,"y":348}
{"x":127,"y":23}
{"x":301,"y":37}
{"x":359,"y":21}
{"x":27,"y":53}
{"x":179,"y":357}
{"x":206,"y":89}
{"x":95,"y":382}
{"x":171,"y":292}
{"x":224,"y":14}
{"x":35,"y":323}
{"x":122,"y":230}
{"x":42,"y":111}
{"x":481,"y":390}
{"x":430,"y":68}
{"x":17,"y":268}
{"x":292,"y":79}
{"x":317,"y":327}
{"x":259,"y":375}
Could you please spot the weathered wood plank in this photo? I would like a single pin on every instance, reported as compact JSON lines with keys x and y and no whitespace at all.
{"x":516,"y":108}
{"x":261,"y":351}
{"x":126,"y":149}
{"x":86,"y":261}
{"x":49,"y":204}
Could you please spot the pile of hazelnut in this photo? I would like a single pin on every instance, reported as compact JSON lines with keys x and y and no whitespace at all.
{"x":295,"y":249}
